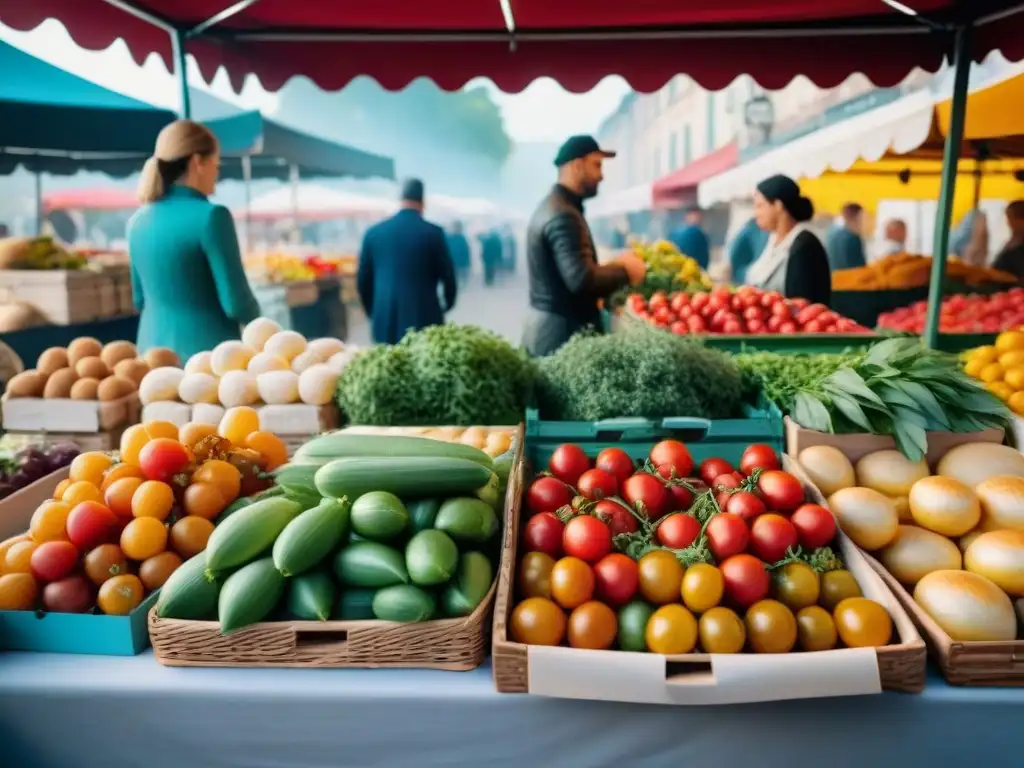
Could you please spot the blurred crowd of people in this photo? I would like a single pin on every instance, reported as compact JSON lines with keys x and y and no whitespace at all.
{"x":495,"y":252}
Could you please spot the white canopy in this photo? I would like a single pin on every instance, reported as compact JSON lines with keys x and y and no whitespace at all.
{"x":315,"y":202}
{"x":622,"y":201}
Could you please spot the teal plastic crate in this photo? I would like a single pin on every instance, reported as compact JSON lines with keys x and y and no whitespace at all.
{"x":706,"y":438}
{"x":82,"y":633}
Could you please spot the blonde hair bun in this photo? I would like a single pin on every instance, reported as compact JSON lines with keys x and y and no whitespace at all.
{"x":177,"y":142}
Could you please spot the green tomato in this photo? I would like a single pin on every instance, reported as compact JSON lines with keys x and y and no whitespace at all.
{"x":633,"y":619}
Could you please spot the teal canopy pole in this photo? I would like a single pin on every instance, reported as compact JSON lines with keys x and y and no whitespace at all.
{"x":950,"y":160}
{"x":181,"y":71}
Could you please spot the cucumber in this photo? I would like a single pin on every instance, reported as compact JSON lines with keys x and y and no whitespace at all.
{"x":187,"y":594}
{"x":370,"y":565}
{"x":468,"y":521}
{"x":490,"y":492}
{"x":431,"y":558}
{"x":355,"y":605}
{"x":404,"y":603}
{"x":311,"y":537}
{"x":338,"y":445}
{"x":311,"y":596}
{"x":422,"y":513}
{"x":297,"y":475}
{"x":249,"y":595}
{"x":503,"y":467}
{"x":245,"y":501}
{"x":247,"y":533}
{"x":379,"y":516}
{"x":469,"y":587}
{"x":415,"y":476}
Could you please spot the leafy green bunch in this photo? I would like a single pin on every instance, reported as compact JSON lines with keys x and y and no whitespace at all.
{"x":778,"y":378}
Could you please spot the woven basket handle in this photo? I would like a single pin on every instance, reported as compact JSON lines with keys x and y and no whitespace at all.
{"x":326,"y":639}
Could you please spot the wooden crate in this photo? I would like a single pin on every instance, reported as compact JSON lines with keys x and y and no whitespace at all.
{"x":450,"y":644}
{"x":86,"y":441}
{"x":121,"y":281}
{"x":699,"y":678}
{"x":63,"y":297}
{"x":36,"y":414}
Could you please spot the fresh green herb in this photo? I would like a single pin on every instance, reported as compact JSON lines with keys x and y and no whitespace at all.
{"x":778,"y":378}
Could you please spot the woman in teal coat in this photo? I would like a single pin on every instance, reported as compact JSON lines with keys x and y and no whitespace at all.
{"x":187,"y":276}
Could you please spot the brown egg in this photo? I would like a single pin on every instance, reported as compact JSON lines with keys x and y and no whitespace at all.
{"x":114,"y":388}
{"x":52,"y":360}
{"x":162,"y":357}
{"x":134,"y":369}
{"x":92,"y":368}
{"x":59,"y":384}
{"x":83,"y":346}
{"x":26,"y":384}
{"x":116,"y":351}
{"x":85,"y":389}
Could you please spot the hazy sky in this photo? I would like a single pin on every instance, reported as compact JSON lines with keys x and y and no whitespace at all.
{"x":543,"y":112}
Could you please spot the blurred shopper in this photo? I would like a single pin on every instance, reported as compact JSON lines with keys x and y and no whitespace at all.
{"x":566,"y":282}
{"x":490,"y":254}
{"x":794,"y":262}
{"x":748,"y":244}
{"x":188,"y":282}
{"x":894,"y":238}
{"x":690,"y":238}
{"x":508,"y":248}
{"x":458,"y":248}
{"x":976,"y":250}
{"x":1011,"y":258}
{"x":845,"y":245}
{"x":403,"y":261}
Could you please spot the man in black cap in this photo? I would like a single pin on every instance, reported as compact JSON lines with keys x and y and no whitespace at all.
{"x":401,"y":264}
{"x":566,"y":282}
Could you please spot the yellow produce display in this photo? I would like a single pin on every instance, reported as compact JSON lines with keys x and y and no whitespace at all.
{"x":904,"y":270}
{"x":493,"y":441}
{"x":1000,"y":367}
{"x":277,"y":268}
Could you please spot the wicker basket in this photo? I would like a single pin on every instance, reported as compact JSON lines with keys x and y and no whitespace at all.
{"x":699,"y":678}
{"x":450,"y":644}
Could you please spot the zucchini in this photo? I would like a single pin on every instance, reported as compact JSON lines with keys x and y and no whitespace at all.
{"x":187,"y":594}
{"x":370,"y":565}
{"x":245,"y":501}
{"x":422,"y":513}
{"x":406,"y":476}
{"x":311,"y":596}
{"x":339,"y":445}
{"x":431,"y":558}
{"x":379,"y":516}
{"x":355,"y":604}
{"x":468,"y":521}
{"x":405,"y":603}
{"x":247,"y":533}
{"x":311,"y":537}
{"x":249,"y":595}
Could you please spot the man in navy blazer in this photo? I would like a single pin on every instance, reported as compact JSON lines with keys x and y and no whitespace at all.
{"x":402,"y":263}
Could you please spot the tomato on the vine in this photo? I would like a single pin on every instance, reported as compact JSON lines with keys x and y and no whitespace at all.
{"x":672,"y":459}
{"x":797,"y":586}
{"x":712,"y":468}
{"x":616,"y":461}
{"x":162,"y":458}
{"x":661,"y":577}
{"x":727,"y":535}
{"x":770,"y":536}
{"x":646,"y":491}
{"x":547,"y":494}
{"x":815,"y":526}
{"x":682,"y":497}
{"x":568,"y":462}
{"x":595,"y":484}
{"x":616,"y":517}
{"x":746,"y":580}
{"x":543,"y":533}
{"x":746,"y":505}
{"x":616,"y":578}
{"x":758,"y":456}
{"x":780,"y":490}
{"x":572,"y":582}
{"x":587,"y":538}
{"x":727,"y":481}
{"x":677,"y":531}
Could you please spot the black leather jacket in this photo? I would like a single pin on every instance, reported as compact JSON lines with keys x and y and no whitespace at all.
{"x":565,"y":278}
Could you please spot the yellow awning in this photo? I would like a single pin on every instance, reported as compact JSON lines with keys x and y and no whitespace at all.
{"x":992,"y":112}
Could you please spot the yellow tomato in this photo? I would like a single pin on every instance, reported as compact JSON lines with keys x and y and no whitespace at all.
{"x":1014,"y":376}
{"x":1011,"y":359}
{"x":1008,"y":341}
{"x":1000,"y":389}
{"x":991,"y":372}
{"x":1016,"y":403}
{"x":973,"y":367}
{"x":986,"y":354}
{"x":671,"y":629}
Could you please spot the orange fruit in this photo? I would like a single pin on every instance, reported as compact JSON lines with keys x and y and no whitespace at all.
{"x":105,"y":562}
{"x":153,"y":499}
{"x":238,"y":423}
{"x":120,"y":595}
{"x":158,"y":568}
{"x":190,"y":434}
{"x":18,"y":592}
{"x":119,"y":494}
{"x":203,"y":500}
{"x":143,"y":538}
{"x":133,"y":440}
{"x":223,"y":475}
{"x":89,"y":467}
{"x":81,"y":491}
{"x":157,"y":429}
{"x":119,"y":472}
{"x":18,"y":556}
{"x":8,"y":543}
{"x":61,"y":487}
{"x":270,"y":447}
{"x":190,"y":534}
{"x":49,"y":521}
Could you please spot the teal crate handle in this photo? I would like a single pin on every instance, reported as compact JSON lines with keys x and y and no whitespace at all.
{"x":625,"y":429}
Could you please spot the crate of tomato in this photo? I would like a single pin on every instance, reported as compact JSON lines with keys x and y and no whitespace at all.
{"x":641,"y":575}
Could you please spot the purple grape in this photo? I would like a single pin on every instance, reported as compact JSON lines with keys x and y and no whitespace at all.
{"x":33,"y":467}
{"x":19,"y":480}
{"x":62,"y":454}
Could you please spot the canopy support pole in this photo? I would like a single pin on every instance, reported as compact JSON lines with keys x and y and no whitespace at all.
{"x":181,"y":71}
{"x":293,"y":176}
{"x":950,"y":161}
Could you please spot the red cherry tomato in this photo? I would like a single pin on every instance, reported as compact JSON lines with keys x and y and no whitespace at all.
{"x":677,"y":531}
{"x":616,"y":579}
{"x":90,"y":524}
{"x":597,"y":484}
{"x":727,"y":481}
{"x":770,"y":536}
{"x":547,"y":494}
{"x":543,"y":533}
{"x":746,"y":580}
{"x":587,"y":538}
{"x":815,"y":526}
{"x":647,"y":493}
{"x":712,"y":468}
{"x":727,"y":535}
{"x":568,"y":462}
{"x":672,"y":459}
{"x":616,"y":461}
{"x":780,"y":490}
{"x":616,"y":517}
{"x":682,"y":497}
{"x":162,"y":458}
{"x":53,"y":560}
{"x":758,"y":456}
{"x":746,"y":505}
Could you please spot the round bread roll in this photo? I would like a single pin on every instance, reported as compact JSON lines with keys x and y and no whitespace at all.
{"x":85,"y":389}
{"x":92,"y":368}
{"x":116,"y":351}
{"x":26,"y":384}
{"x":52,"y":360}
{"x":134,"y":369}
{"x":83,"y":346}
{"x":59,"y":384}
{"x":114,"y":388}
{"x":162,"y":357}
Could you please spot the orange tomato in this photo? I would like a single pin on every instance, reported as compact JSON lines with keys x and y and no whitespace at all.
{"x":49,"y":521}
{"x":143,"y":538}
{"x":224,"y":476}
{"x":203,"y":500}
{"x":133,"y":440}
{"x":119,"y":494}
{"x":105,"y":562}
{"x":157,"y":569}
{"x":6,"y":544}
{"x":270,"y":447}
{"x":190,"y":434}
{"x":153,"y":499}
{"x":81,"y":491}
{"x":61,"y":487}
{"x":120,"y":595}
{"x":592,"y":625}
{"x":537,"y":621}
{"x":89,"y":467}
{"x":18,"y":557}
{"x":572,"y":582}
{"x":190,"y":534}
{"x":18,"y":592}
{"x":661,"y":577}
{"x":119,"y":472}
{"x":157,"y":429}
{"x":238,"y":423}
